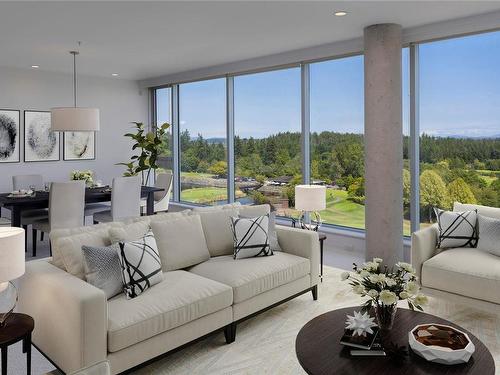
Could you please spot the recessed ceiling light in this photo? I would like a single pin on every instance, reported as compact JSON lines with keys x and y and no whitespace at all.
{"x":35,"y":66}
{"x":114,"y":74}
{"x":340,"y":13}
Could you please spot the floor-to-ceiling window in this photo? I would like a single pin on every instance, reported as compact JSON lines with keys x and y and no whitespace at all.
{"x":267,"y":138}
{"x":336,"y":139}
{"x":459,"y":122}
{"x":202,"y":142}
{"x":163,"y":108}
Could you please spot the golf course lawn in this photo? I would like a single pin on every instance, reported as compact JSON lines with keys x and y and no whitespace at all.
{"x":206,"y":195}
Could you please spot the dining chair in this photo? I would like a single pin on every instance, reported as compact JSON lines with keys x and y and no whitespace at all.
{"x":66,"y":206}
{"x":162,"y":198}
{"x":26,"y":182}
{"x":125,"y":200}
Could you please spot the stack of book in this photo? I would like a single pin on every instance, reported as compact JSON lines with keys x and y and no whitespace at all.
{"x":369,"y":345}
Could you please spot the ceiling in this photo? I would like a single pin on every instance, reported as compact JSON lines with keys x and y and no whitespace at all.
{"x":140,"y":39}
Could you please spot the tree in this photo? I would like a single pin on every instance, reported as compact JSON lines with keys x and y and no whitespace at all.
{"x":406,"y":187}
{"x":459,"y":191}
{"x":433,"y":192}
{"x":219,"y":169}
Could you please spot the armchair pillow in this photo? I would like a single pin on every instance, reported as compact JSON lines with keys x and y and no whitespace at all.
{"x":181,"y":242}
{"x":489,"y":234}
{"x":251,"y":237}
{"x":456,"y":229}
{"x":140,"y":265}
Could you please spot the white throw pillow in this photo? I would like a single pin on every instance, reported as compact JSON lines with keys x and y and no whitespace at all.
{"x":141,"y":265}
{"x":489,"y":234}
{"x":251,"y":237}
{"x":456,"y":229}
{"x":181,"y":242}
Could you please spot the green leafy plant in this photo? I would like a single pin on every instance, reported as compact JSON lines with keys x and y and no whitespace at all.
{"x":149,"y":145}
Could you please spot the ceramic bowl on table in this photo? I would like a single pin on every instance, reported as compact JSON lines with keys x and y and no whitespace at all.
{"x":441,"y":343}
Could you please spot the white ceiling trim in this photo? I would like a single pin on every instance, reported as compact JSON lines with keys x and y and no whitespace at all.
{"x":439,"y":30}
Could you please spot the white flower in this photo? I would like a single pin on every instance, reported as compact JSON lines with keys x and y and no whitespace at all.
{"x":364,"y":274}
{"x":370,"y":266}
{"x":405,"y":266}
{"x":390,"y":282}
{"x":412,"y":288}
{"x":403,"y":295}
{"x":378,"y":260}
{"x":372,"y":293}
{"x":420,"y":300}
{"x":387,"y":297}
{"x":358,"y":289}
{"x":378,"y":278}
{"x":344,"y":276}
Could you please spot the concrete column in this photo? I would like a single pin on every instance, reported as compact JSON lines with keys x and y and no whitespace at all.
{"x":383,"y":143}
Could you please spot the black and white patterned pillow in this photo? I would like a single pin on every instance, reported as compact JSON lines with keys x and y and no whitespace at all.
{"x":141,"y":265}
{"x":456,"y":229}
{"x":251,"y":237}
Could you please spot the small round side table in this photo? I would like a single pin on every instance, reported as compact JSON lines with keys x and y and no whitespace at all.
{"x":17,"y":327}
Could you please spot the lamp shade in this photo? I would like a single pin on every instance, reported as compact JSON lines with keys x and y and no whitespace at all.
{"x":310,"y":197}
{"x":11,"y":253}
{"x":74,"y":119}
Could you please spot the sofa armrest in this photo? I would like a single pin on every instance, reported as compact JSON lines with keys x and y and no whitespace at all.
{"x":423,"y":246}
{"x":303,"y":243}
{"x":70,"y":315}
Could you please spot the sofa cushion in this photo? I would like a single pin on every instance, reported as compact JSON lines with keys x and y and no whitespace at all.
{"x":68,"y":249}
{"x":129,"y":232}
{"x":217,"y":207}
{"x":181,"y":242}
{"x":489,"y":234}
{"x":252,"y":276}
{"x":180,"y":298}
{"x":493,"y":212}
{"x":217,"y":229}
{"x":464,"y":271}
{"x":57,"y":256}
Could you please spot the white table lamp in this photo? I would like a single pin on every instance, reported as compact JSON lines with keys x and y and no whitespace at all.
{"x":11,"y":267}
{"x":310,"y":199}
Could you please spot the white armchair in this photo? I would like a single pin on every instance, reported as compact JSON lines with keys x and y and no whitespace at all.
{"x":465,"y":275}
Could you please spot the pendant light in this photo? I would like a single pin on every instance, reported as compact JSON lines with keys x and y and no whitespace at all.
{"x":77,"y":119}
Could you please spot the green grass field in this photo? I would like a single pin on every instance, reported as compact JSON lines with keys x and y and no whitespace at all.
{"x":486,"y":175}
{"x":206,"y":195}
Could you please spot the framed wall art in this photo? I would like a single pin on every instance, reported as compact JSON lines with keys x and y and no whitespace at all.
{"x":40,"y":144}
{"x":79,"y":145}
{"x":9,"y":136}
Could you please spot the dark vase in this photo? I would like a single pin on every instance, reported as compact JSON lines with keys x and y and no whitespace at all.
{"x":385,"y":315}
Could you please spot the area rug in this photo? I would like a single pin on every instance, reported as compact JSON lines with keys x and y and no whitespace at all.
{"x":265,"y":344}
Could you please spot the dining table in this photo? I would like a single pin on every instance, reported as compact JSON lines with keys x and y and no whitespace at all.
{"x":40,"y":199}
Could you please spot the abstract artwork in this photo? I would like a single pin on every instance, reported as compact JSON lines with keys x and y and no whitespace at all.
{"x":40,"y":144}
{"x":9,"y":136}
{"x":79,"y":145}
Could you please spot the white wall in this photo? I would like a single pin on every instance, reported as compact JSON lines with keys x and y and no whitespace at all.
{"x":119,"y":101}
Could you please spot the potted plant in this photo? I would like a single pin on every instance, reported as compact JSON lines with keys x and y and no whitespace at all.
{"x":149,"y":145}
{"x":384,"y":287}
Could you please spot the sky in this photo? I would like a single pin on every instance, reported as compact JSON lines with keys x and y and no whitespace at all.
{"x":459,"y":95}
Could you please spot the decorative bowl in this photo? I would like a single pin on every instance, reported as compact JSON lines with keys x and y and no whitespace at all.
{"x":441,"y":343}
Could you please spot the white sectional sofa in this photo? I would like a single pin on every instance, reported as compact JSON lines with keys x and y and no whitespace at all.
{"x":465,"y":275}
{"x":76,"y":326}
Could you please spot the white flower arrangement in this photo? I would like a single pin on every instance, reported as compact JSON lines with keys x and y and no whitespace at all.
{"x":384,"y":286}
{"x":86,"y":175}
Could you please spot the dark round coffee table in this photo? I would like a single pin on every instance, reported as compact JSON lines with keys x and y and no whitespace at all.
{"x":319,"y":350}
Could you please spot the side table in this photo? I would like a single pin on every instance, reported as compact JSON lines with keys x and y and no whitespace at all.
{"x":322,"y":238}
{"x":17,"y":327}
